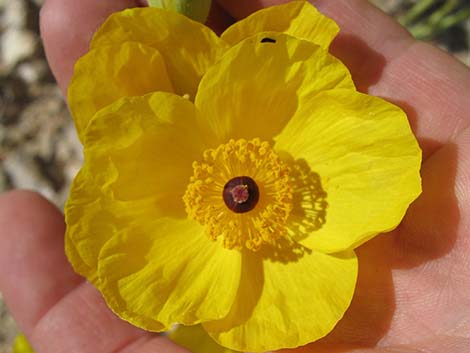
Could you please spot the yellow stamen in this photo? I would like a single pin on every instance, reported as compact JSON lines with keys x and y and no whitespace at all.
{"x":266,"y":222}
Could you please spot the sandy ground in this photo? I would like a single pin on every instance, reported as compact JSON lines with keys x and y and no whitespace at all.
{"x":38,"y":146}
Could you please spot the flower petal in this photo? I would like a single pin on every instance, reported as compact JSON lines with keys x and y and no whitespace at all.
{"x":299,"y":19}
{"x":286,"y":304}
{"x":195,"y":339}
{"x":136,"y":165}
{"x":168,"y":271}
{"x":108,"y":73}
{"x":368,"y":160}
{"x":257,"y":86}
{"x":84,"y":236}
{"x":188,"y":47}
{"x":143,"y":147}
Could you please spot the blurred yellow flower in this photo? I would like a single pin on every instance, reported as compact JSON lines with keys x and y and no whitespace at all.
{"x":21,"y":345}
{"x":228,"y":180}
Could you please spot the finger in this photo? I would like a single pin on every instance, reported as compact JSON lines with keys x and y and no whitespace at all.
{"x":82,"y":323}
{"x":34,"y":272}
{"x":385,"y":61}
{"x":67,"y":27}
{"x":56,"y":309}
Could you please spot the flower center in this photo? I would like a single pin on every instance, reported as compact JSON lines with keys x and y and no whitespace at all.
{"x":240,"y":192}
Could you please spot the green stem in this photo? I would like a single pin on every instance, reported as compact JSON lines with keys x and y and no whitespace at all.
{"x":197,"y":10}
{"x":156,"y":3}
{"x":443,"y":11}
{"x":429,"y":30}
{"x":456,"y":18}
{"x":421,"y":31}
{"x":416,"y":11}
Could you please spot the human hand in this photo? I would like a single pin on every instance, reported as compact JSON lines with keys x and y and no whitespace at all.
{"x":413,"y":283}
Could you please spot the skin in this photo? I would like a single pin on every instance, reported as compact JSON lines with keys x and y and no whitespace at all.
{"x":412,"y":293}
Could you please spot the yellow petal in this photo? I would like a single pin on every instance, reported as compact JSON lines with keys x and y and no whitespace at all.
{"x":258,"y":86}
{"x":108,"y":73}
{"x":188,"y":47}
{"x":168,"y":271}
{"x":287,"y":302}
{"x":136,"y":165}
{"x":296,"y":18}
{"x":364,"y":151}
{"x":143,"y":147}
{"x":21,"y":345}
{"x":82,"y":211}
{"x":195,"y":339}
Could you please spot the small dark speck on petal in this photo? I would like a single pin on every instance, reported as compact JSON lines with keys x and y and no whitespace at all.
{"x":268,"y":40}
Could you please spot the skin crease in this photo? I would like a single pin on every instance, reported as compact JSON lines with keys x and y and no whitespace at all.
{"x":412,"y":293}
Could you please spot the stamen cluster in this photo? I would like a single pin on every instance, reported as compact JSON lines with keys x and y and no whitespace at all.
{"x":204,"y":201}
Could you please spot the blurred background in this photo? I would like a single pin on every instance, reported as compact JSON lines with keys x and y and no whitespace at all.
{"x":39,"y":149}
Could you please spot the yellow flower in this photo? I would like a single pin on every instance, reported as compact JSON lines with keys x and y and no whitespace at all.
{"x":228,"y":180}
{"x":21,"y":345}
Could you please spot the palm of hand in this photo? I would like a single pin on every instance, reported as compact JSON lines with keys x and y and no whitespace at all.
{"x":413,"y":283}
